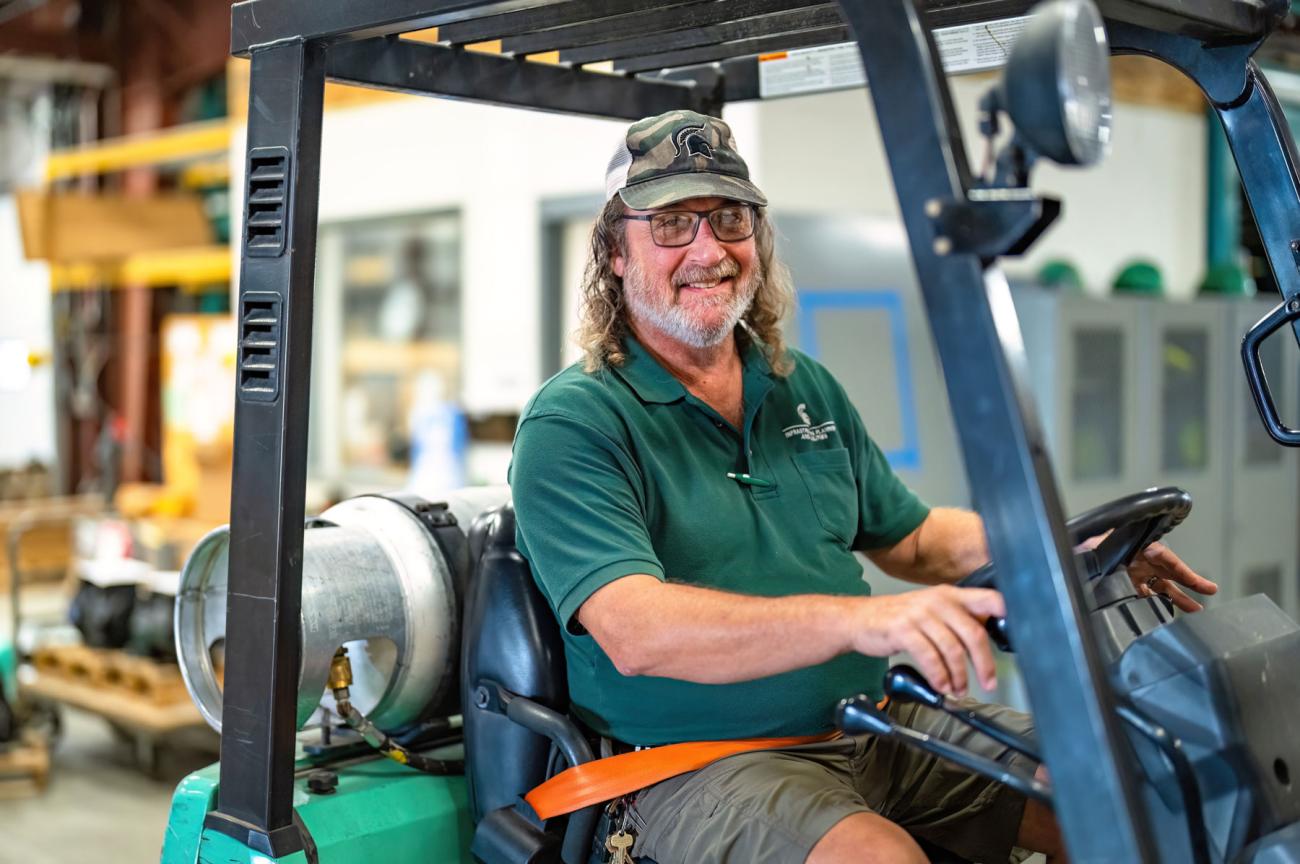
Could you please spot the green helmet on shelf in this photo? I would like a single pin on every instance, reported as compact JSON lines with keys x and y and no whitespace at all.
{"x":1227,"y":280}
{"x":1140,"y":277}
{"x":1061,"y":275}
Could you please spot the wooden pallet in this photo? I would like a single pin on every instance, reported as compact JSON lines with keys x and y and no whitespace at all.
{"x":118,"y":704}
{"x":45,"y":552}
{"x":24,"y":767}
{"x":146,"y":679}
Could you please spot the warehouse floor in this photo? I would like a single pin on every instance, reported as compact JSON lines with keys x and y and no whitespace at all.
{"x":99,"y":805}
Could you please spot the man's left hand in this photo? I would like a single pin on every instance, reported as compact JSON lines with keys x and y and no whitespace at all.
{"x":1157,"y":570}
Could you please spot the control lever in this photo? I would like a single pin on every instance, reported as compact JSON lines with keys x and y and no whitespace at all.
{"x":1000,"y":633}
{"x":1184,"y":773}
{"x":860,"y":716}
{"x":905,"y":684}
{"x":983,"y":577}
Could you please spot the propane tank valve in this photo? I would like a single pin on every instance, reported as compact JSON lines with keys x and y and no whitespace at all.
{"x":340,"y":675}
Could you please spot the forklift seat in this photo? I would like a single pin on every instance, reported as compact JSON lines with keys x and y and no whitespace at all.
{"x":515,"y":698}
{"x":510,"y":637}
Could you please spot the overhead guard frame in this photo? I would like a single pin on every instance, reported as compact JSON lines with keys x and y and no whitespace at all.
{"x":296,"y":45}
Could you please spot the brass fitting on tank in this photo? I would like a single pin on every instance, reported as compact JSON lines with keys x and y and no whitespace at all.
{"x":340,"y":675}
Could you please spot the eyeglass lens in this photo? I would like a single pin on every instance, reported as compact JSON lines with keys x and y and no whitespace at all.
{"x":679,"y":227}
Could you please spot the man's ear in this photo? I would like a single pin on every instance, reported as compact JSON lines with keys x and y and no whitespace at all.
{"x":619,"y":264}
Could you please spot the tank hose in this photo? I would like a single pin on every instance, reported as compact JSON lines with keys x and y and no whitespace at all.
{"x":340,"y":681}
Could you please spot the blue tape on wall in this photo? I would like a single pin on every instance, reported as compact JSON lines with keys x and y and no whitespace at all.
{"x":908,"y":456}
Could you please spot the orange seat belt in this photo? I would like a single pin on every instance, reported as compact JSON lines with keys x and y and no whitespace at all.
{"x":603,"y":780}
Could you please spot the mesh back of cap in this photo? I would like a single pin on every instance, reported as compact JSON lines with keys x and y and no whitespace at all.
{"x":616,"y":172}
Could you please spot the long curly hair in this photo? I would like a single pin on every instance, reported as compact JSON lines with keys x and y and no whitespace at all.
{"x":603,"y":325}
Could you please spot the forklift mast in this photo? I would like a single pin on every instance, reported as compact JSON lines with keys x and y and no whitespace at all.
{"x":701,"y":55}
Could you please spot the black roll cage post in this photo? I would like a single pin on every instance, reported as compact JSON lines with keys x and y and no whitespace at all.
{"x":295,"y":45}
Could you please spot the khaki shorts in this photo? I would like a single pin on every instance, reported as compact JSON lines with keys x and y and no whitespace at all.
{"x":771,"y":807}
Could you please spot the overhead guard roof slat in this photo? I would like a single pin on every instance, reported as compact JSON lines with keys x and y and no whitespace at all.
{"x":418,"y":67}
{"x":823,"y":15}
{"x":260,"y":23}
{"x":649,"y":21}
{"x":758,"y":45}
{"x":558,"y":13}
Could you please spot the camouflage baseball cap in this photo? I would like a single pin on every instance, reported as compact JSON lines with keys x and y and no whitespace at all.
{"x":675,"y":156}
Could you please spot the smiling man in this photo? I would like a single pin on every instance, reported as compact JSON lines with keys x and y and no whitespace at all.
{"x":690,"y":498}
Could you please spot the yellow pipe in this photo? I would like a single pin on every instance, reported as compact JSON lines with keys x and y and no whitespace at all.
{"x":200,"y":265}
{"x":177,"y":144}
{"x":209,"y":172}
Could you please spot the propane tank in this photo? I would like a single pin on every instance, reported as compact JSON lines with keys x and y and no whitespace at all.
{"x":383,"y":576}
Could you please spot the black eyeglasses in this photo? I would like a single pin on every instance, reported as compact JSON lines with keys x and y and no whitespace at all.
{"x":729,"y":223}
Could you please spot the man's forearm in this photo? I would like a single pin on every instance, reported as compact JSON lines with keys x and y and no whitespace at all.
{"x":712,"y":637}
{"x":947,"y":546}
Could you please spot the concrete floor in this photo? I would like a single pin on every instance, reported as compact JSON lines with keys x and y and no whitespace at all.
{"x":100,"y":805}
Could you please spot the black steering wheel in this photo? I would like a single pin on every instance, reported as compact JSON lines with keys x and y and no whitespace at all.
{"x":1134,"y":522}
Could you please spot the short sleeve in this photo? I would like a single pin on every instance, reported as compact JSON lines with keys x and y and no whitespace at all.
{"x":888,"y":510}
{"x":579,"y":511}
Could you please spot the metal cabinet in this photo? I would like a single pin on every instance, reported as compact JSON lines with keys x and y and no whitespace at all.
{"x":1132,"y":392}
{"x":1262,"y":482}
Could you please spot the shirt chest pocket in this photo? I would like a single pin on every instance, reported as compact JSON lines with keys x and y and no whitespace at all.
{"x":828,"y":477}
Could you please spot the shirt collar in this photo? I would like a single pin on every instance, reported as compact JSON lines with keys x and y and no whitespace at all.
{"x":653,"y":383}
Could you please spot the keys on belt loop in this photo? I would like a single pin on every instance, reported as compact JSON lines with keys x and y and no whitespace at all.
{"x":619,"y":843}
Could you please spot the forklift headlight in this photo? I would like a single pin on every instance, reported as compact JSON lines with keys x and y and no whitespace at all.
{"x":1057,"y":83}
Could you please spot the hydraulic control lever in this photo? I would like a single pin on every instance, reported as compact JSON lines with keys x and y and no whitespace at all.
{"x":997,"y":628}
{"x":905,"y":684}
{"x":860,"y":716}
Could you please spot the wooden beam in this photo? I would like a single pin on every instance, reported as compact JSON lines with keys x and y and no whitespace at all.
{"x":27,"y":41}
{"x":1144,"y":81}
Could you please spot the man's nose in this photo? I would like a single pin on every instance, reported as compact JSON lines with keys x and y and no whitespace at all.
{"x":706,"y":248}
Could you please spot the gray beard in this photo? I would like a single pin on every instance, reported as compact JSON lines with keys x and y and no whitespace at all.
{"x":676,"y":321}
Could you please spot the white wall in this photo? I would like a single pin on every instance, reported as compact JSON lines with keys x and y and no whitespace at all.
{"x":494,"y":165}
{"x":26,"y":415}
{"x":1146,"y":199}
{"x":818,"y":153}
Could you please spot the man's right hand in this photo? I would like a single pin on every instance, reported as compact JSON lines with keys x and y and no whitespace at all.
{"x":650,"y":627}
{"x":940,"y":627}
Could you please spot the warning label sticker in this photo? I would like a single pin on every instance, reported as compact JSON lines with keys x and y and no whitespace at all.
{"x":966,"y":48}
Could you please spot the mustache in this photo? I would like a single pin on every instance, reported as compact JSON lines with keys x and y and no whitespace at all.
{"x":725,"y":269}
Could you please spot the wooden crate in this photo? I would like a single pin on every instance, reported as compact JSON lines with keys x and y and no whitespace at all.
{"x":24,"y":767}
{"x":45,"y":552}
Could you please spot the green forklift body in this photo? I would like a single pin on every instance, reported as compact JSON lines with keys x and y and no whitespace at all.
{"x":380,"y":811}
{"x":9,"y":672}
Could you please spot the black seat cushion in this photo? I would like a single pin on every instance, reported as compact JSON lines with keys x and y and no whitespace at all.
{"x":511,"y":637}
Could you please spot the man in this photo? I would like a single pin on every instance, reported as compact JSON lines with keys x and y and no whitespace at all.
{"x":690,"y":498}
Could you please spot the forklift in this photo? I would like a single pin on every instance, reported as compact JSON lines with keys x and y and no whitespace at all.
{"x":1166,"y":738}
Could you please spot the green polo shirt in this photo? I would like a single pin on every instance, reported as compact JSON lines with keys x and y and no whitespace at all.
{"x":623,"y":471}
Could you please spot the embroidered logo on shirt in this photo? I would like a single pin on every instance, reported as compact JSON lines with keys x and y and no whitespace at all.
{"x":806,"y":430}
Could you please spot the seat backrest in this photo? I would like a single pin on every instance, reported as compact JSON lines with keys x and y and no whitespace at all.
{"x":510,"y":637}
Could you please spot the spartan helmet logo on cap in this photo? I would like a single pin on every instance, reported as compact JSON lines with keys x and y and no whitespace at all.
{"x":695,"y":140}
